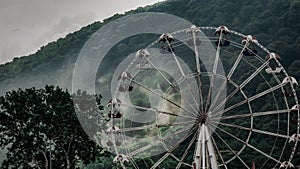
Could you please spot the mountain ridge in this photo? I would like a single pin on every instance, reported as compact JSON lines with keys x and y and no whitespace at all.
{"x":271,"y":22}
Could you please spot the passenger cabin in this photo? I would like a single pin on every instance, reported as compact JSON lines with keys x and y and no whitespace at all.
{"x":114,"y":115}
{"x":125,"y":79}
{"x":142,"y":58}
{"x":273,"y":66}
{"x":222,"y":31}
{"x":166,"y":43}
{"x":249,"y":41}
{"x":121,"y":158}
{"x":192,"y":33}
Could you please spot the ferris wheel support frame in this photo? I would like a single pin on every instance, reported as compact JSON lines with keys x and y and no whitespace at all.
{"x":201,"y":159}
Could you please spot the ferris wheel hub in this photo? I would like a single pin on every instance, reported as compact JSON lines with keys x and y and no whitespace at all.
{"x":202,"y":119}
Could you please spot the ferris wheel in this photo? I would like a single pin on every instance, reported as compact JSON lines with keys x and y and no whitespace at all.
{"x":203,"y":97}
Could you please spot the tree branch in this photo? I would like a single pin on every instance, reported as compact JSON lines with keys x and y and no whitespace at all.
{"x":46,"y":159}
{"x":69,"y":146}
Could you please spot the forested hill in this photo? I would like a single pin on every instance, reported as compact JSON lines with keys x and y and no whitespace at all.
{"x":276,"y":24}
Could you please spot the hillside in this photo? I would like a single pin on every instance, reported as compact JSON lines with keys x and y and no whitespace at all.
{"x":275,"y":23}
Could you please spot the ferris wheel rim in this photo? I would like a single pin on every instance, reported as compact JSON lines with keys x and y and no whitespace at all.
{"x":246,"y":144}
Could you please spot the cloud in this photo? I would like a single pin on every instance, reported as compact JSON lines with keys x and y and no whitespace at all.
{"x":10,"y":50}
{"x":64,"y":26}
{"x":27,"y":25}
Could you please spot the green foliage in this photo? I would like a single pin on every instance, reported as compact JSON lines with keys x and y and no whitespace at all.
{"x":35,"y":122}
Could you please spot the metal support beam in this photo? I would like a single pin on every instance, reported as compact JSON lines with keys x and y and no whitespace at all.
{"x":205,"y":157}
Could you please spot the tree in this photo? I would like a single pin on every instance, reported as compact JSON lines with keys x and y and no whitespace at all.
{"x":41,"y":129}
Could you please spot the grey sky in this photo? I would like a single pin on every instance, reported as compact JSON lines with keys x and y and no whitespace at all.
{"x":25,"y":26}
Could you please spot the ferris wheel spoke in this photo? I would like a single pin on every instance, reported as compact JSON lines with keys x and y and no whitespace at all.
{"x":215,"y":67}
{"x":182,"y":73}
{"x":187,"y":127}
{"x":160,"y":160}
{"x":219,"y":153}
{"x":257,"y":71}
{"x":257,"y":114}
{"x":157,"y":111}
{"x":277,"y":130}
{"x":249,"y":145}
{"x":226,"y":99}
{"x":238,"y":87}
{"x":237,"y":61}
{"x":186,"y":151}
{"x":177,"y":159}
{"x":182,"y":79}
{"x":249,"y":99}
{"x":129,"y":129}
{"x":200,"y":89}
{"x":222,"y":87}
{"x":198,"y":73}
{"x":230,"y":108}
{"x":137,"y":128}
{"x":168,"y":81}
{"x":265,"y":92}
{"x":169,"y":152}
{"x":257,"y":96}
{"x":159,"y":95}
{"x":191,"y":92}
{"x":255,"y":130}
{"x":281,"y":154}
{"x":176,"y":60}
{"x":231,"y":150}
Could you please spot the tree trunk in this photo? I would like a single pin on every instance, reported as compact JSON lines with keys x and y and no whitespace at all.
{"x":67,"y":158}
{"x":46,"y":160}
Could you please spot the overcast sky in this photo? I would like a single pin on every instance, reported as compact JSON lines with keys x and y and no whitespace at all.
{"x":26,"y":25}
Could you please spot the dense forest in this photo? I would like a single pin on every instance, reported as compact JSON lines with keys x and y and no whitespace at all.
{"x":276,"y":24}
